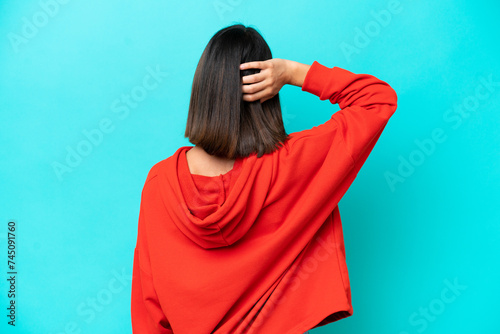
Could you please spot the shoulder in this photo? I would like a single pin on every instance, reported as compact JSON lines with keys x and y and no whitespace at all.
{"x":165,"y":166}
{"x":314,"y":137}
{"x":156,"y":170}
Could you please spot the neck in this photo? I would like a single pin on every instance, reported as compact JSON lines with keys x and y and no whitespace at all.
{"x":201,"y":152}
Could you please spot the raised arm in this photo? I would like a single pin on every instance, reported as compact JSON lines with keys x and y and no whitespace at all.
{"x":366,"y":104}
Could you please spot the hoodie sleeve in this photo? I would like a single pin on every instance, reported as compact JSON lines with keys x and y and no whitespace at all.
{"x":322,"y":162}
{"x":147,"y":315}
{"x":366,"y":105}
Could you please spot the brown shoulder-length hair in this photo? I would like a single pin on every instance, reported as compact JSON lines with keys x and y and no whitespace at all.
{"x":219,"y":120}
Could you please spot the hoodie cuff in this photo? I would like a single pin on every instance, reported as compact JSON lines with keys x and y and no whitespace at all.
{"x":316,"y":78}
{"x":327,"y":83}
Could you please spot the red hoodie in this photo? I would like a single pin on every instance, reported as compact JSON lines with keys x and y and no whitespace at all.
{"x":259,"y":249}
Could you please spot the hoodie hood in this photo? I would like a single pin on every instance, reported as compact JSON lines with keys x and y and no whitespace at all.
{"x":223,"y":210}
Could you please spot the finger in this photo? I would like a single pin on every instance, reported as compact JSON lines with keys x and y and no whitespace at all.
{"x":253,"y":88}
{"x":252,"y":64}
{"x":253,"y":97}
{"x":261,"y":95}
{"x":251,"y":78}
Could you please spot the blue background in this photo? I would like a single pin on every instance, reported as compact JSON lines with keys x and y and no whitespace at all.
{"x":65,"y":68}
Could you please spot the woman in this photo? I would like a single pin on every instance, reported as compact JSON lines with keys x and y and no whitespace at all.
{"x":241,"y":233}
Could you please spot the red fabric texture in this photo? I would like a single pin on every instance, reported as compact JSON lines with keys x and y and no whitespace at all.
{"x":259,"y":249}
